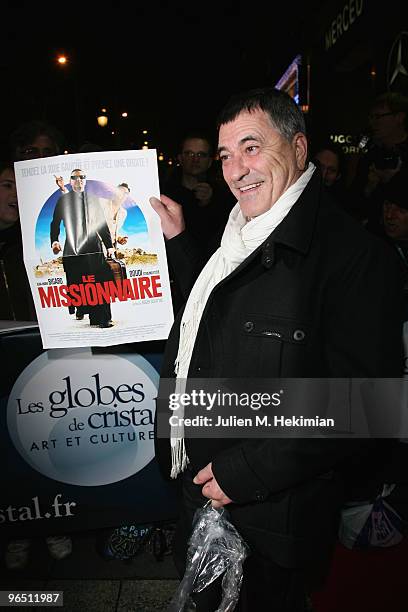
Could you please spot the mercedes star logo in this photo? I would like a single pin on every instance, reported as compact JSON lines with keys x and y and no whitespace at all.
{"x":397,"y":66}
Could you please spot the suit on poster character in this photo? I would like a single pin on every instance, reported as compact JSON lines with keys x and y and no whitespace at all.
{"x":86,"y":230}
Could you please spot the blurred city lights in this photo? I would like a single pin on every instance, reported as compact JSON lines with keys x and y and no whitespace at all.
{"x":62,"y":59}
{"x":102,"y":120}
{"x":124,"y":115}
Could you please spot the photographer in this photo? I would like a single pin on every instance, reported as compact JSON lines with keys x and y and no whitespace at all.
{"x":386,"y":150}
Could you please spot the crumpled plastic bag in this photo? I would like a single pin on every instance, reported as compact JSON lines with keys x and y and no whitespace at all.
{"x":371,"y":524}
{"x":215,"y":548}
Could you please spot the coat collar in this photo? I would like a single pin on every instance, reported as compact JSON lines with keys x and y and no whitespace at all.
{"x":295,"y":231}
{"x":297,"y":228}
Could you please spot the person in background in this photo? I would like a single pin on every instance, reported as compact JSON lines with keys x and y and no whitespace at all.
{"x":206,"y":203}
{"x":16,"y":301}
{"x":36,"y":139}
{"x":330,"y":160}
{"x":395,"y":217}
{"x":205,"y":200}
{"x":16,"y":304}
{"x":386,"y":150}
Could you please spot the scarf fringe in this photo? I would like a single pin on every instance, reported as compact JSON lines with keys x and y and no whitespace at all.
{"x":179,"y":460}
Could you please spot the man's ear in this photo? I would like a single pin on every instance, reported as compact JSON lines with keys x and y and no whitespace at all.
{"x":300,"y":144}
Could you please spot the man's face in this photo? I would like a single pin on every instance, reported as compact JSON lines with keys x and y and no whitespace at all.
{"x":195,"y":158}
{"x":78,"y":181}
{"x":8,"y":199}
{"x":395,"y":221}
{"x":329,"y":166}
{"x":258,"y":163}
{"x":42,"y":146}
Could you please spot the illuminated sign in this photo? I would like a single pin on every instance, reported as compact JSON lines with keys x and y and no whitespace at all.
{"x":343,"y":21}
{"x":346,"y":141}
{"x":289,"y":81}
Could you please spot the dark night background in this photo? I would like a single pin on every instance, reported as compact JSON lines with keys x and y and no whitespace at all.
{"x":170,"y":65}
{"x":173,"y":64}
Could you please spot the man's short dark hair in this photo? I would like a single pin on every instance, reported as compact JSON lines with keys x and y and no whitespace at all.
{"x":125,"y":185}
{"x":6,"y":165}
{"x":283,"y":111}
{"x":26,"y":133}
{"x":333,"y":147}
{"x":199,"y":134}
{"x":395,"y":101}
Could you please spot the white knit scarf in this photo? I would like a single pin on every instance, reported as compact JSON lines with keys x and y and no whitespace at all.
{"x":240,"y":238}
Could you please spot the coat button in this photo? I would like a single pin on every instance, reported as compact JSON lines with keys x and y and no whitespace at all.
{"x":299,"y":335}
{"x":248,"y":326}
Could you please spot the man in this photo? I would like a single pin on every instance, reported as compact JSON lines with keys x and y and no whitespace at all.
{"x":35,"y":139}
{"x":297,"y":289}
{"x":206,"y":203}
{"x":15,"y":295}
{"x":86,"y":229}
{"x":205,"y":200}
{"x":387,"y":150}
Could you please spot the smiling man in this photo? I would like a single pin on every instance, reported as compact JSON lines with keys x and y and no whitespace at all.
{"x":296,"y":289}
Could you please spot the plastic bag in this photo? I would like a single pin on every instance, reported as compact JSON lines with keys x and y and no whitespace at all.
{"x":371,"y":524}
{"x":215,"y":548}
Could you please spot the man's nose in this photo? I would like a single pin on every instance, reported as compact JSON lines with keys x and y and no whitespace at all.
{"x":238,"y":168}
{"x":390,"y":211}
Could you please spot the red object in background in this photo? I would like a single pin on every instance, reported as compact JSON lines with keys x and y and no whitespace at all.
{"x":372,"y":580}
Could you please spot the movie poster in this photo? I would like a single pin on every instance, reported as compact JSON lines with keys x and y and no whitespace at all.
{"x":94,"y":249}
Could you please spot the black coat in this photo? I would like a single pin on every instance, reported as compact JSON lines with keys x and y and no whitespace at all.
{"x":321,"y":273}
{"x":85,"y":231}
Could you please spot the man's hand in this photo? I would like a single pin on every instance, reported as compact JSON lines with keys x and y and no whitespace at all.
{"x":379,"y":175}
{"x":122,"y":239}
{"x":203,"y":192}
{"x":56,"y":248}
{"x":60,"y":182}
{"x":171,"y":216}
{"x":110,"y":252}
{"x":211,"y":488}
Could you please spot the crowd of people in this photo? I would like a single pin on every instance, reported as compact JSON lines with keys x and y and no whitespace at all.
{"x":294,"y":264}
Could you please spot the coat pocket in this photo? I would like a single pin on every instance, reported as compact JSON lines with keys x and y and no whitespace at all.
{"x":275,"y":343}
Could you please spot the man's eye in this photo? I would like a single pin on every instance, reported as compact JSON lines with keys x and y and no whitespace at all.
{"x":224,"y":157}
{"x":251,"y":149}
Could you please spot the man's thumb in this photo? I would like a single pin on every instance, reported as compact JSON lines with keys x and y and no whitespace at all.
{"x":156,"y":204}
